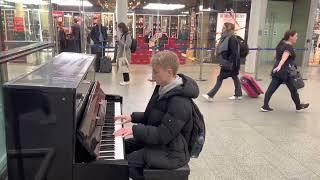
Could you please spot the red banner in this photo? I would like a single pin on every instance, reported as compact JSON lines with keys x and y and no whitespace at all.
{"x":57,"y":13}
{"x":18,"y":24}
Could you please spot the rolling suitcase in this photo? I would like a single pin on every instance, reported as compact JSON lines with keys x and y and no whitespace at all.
{"x":105,"y":64}
{"x":251,"y":86}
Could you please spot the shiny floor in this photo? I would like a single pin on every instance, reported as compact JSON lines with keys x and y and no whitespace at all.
{"x":242,"y":143}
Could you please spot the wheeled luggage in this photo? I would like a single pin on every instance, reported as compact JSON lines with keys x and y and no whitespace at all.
{"x":251,"y":86}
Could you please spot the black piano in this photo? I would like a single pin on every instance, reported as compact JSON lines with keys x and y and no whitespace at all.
{"x":59,"y":124}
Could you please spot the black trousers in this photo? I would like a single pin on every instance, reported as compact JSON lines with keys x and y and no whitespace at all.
{"x":274,"y":85}
{"x":135,"y":157}
{"x":220,"y":78}
{"x":126,"y":77}
{"x":99,"y":52}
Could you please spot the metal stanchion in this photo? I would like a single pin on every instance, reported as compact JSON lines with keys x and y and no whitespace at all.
{"x":3,"y":73}
{"x":201,"y":67}
{"x":256,"y":76}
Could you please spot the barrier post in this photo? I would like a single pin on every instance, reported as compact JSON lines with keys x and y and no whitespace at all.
{"x":201,"y":66}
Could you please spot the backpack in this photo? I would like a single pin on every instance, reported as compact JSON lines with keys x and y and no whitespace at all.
{"x":198,"y":133}
{"x":244,"y":48}
{"x":133,"y":46}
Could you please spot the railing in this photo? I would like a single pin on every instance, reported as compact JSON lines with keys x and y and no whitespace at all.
{"x":23,"y":58}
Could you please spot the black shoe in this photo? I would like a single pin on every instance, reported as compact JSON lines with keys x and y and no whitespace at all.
{"x":266,"y":109}
{"x":302,"y":107}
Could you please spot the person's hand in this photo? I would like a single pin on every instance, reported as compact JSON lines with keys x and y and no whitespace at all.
{"x":277,"y":69}
{"x":127,"y":131}
{"x":123,"y":118}
{"x":116,"y":38}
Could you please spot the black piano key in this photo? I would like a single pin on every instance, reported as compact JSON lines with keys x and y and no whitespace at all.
{"x":109,"y":141}
{"x":108,"y":127}
{"x":105,"y":148}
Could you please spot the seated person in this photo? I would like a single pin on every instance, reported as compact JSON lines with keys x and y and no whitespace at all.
{"x":162,"y":133}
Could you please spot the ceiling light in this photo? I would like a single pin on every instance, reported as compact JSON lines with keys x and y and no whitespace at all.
{"x":160,"y":6}
{"x":72,"y":3}
{"x":32,"y":2}
{"x":6,"y":6}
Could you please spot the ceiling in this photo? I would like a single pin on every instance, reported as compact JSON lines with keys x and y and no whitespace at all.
{"x":138,"y":4}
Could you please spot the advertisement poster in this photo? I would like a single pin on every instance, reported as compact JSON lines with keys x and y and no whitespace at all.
{"x":18,"y":24}
{"x":238,"y":19}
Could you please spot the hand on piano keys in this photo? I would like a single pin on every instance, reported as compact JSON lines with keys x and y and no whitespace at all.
{"x":127,"y":131}
{"x":122,"y":119}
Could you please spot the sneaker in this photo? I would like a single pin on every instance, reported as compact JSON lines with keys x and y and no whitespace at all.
{"x":207,"y":97}
{"x":302,"y":107}
{"x":266,"y":109}
{"x":124,"y":83}
{"x":235,"y":97}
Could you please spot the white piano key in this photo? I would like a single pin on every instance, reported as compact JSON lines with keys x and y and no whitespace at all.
{"x":119,"y":153}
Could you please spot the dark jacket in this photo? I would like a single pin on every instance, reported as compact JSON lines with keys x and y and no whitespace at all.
{"x":233,"y":56}
{"x":165,"y":126}
{"x":94,"y":35}
{"x":75,"y":31}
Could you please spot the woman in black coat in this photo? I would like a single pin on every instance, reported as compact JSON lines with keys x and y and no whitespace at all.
{"x":228,"y":51}
{"x":162,"y":133}
{"x":285,"y":57}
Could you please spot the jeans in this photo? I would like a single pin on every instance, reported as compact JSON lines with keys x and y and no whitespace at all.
{"x":220,"y":78}
{"x":274,"y":85}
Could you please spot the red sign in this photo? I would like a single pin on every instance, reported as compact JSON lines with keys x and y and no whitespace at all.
{"x":57,"y":13}
{"x":18,"y":24}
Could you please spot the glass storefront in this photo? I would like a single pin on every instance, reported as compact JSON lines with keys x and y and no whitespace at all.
{"x":315,"y":42}
{"x":25,"y":22}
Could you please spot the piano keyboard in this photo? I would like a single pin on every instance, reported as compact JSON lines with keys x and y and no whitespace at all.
{"x":111,"y":148}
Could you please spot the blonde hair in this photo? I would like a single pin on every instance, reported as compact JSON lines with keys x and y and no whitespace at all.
{"x":166,"y":59}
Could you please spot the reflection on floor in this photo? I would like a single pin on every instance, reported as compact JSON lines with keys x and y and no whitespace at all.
{"x":242,"y":143}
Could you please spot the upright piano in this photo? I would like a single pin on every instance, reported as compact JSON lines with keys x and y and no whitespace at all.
{"x":59,"y":124}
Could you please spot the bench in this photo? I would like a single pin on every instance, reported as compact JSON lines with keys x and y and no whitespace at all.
{"x":167,"y":174}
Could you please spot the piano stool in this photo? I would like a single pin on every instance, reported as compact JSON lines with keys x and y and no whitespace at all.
{"x":167,"y":174}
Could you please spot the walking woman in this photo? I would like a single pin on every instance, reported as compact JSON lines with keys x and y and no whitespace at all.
{"x":285,"y":57}
{"x":228,"y":51}
{"x":124,"y":52}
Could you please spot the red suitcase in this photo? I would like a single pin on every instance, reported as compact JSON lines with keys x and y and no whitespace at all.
{"x":251,"y":86}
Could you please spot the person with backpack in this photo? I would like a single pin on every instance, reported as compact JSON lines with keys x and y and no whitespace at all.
{"x":228,"y":53}
{"x":124,"y":52}
{"x":285,"y":57}
{"x":162,"y":135}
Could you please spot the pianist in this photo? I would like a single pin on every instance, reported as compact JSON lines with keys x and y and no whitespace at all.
{"x":161,"y":133}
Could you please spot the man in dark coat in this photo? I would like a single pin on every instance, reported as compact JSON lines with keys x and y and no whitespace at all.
{"x":76,"y":35}
{"x":98,"y":34}
{"x":162,"y":133}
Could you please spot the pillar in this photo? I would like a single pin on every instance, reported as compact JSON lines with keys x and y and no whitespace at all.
{"x":256,"y":25}
{"x":121,"y":11}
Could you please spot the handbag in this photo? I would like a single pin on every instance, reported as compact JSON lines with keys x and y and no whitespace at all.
{"x":225,"y":64}
{"x":295,"y":75}
{"x":123,"y":63}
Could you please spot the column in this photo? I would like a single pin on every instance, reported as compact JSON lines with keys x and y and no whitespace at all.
{"x":256,"y":25}
{"x":121,"y":11}
{"x":121,"y":14}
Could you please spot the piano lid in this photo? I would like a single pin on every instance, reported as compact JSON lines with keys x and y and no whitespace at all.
{"x":65,"y":70}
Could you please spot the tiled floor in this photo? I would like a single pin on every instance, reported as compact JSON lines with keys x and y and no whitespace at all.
{"x":243,"y":143}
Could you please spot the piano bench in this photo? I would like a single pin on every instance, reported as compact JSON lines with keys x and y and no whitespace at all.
{"x":167,"y":174}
